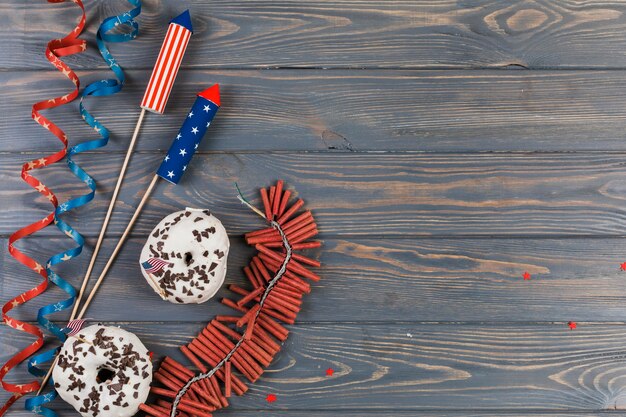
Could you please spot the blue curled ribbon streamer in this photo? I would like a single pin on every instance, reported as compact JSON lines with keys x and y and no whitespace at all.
{"x":98,"y":88}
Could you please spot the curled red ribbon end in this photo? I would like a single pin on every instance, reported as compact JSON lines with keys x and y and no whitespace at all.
{"x":56,"y":48}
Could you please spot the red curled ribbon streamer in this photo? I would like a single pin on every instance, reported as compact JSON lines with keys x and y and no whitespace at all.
{"x":56,"y":48}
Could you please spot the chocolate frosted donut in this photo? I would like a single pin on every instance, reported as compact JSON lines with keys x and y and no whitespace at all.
{"x":103,"y":372}
{"x":184,"y":259}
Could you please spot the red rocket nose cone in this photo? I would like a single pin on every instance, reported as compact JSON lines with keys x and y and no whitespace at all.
{"x":212,"y":94}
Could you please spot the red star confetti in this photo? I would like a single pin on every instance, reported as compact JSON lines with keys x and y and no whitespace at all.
{"x":270,"y":398}
{"x":622,"y":266}
{"x":330,"y":372}
{"x":526,"y":276}
{"x":572,"y":325}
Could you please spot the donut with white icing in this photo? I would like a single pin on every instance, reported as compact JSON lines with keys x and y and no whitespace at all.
{"x":192,"y":247}
{"x":103,"y":371}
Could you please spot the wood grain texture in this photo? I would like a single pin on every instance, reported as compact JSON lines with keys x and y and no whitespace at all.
{"x":342,"y":33}
{"x":357,"y":194}
{"x":427,"y":367}
{"x":434,"y":191}
{"x":344,"y":111}
{"x":18,"y":412}
{"x":425,"y":280}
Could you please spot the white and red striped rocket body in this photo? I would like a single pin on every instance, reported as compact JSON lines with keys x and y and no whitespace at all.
{"x":167,"y":64}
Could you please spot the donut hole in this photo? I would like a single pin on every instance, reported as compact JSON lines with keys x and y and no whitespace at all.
{"x":188,"y":258}
{"x":104,"y":374}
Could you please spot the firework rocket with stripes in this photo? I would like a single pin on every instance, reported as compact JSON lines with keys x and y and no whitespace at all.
{"x":167,"y":64}
{"x":154,"y":100}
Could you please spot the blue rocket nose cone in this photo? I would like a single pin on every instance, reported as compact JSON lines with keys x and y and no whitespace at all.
{"x":183,"y":19}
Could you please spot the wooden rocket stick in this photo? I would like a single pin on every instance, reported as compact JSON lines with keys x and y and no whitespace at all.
{"x":119,"y":245}
{"x":107,"y":217}
{"x":47,"y":377}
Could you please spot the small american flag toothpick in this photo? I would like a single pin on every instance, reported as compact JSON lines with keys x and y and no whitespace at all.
{"x":74,"y":326}
{"x":153,"y":265}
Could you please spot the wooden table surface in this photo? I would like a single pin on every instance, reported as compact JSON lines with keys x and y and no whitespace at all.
{"x":445,"y":147}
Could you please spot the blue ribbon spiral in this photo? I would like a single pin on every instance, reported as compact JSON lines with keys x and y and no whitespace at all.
{"x":98,"y":88}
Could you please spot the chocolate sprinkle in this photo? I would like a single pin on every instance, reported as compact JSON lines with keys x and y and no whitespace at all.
{"x":199,"y":274}
{"x":123,"y":359}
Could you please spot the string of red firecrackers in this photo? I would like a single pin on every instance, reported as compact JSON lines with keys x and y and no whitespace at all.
{"x":56,"y":48}
{"x":223,"y":353}
{"x":99,"y":88}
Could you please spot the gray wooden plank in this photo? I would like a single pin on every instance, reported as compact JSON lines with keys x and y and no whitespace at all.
{"x":432,"y":280}
{"x":343,"y":111}
{"x":341,"y":33}
{"x":426,"y":367}
{"x":18,"y":412}
{"x":400,"y":195}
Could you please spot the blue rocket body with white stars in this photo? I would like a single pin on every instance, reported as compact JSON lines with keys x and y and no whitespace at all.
{"x":190,"y":135}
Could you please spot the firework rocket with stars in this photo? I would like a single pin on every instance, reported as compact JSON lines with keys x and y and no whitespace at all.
{"x":190,"y":135}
